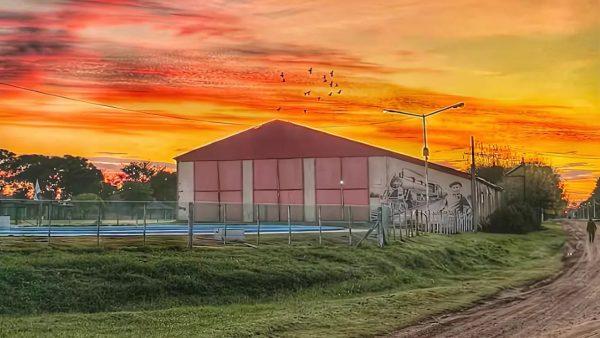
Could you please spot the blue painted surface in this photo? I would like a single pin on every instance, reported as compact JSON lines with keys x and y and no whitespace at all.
{"x":153,"y":230}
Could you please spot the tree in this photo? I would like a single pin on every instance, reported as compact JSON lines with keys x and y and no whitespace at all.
{"x":136,"y":191}
{"x":107,"y":191}
{"x":59,"y":177}
{"x":537,"y":185}
{"x":88,"y":203}
{"x":164,"y":186}
{"x":7,"y":168}
{"x":139,"y":171}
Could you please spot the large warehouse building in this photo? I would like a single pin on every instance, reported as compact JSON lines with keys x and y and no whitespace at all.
{"x":280,"y":163}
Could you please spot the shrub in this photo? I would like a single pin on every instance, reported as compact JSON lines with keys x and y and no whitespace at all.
{"x":514,"y":219}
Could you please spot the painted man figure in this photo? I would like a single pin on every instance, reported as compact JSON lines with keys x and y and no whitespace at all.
{"x":591,"y":229}
{"x":455,"y":201}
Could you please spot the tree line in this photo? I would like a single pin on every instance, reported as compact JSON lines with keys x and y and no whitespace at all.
{"x":76,"y":178}
{"x":533,"y":189}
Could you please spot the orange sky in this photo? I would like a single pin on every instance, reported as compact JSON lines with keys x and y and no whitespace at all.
{"x":528,"y":71}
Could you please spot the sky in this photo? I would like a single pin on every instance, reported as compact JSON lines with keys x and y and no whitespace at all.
{"x":191,"y":72}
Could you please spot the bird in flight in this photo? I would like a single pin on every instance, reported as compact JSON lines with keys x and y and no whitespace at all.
{"x":331,"y":84}
{"x":278,"y":108}
{"x":324,"y":78}
{"x":336,"y":84}
{"x":310,"y":70}
{"x":331,"y":73}
{"x":339,"y":91}
{"x":282,"y":77}
{"x":330,"y":93}
{"x":307,"y":93}
{"x":305,"y":111}
{"x":319,"y":98}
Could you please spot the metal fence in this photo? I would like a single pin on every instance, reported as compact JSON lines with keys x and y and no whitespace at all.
{"x":65,"y":213}
{"x":153,"y":222}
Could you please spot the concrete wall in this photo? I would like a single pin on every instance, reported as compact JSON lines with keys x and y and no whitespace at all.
{"x":309,"y":189}
{"x":248,"y":190}
{"x":185,"y":188}
{"x":401,"y":185}
{"x":367,"y":181}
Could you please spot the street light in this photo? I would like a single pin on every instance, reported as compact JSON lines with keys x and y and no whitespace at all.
{"x":425,"y":149}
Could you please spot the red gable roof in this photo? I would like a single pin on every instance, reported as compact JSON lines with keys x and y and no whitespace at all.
{"x":282,"y":139}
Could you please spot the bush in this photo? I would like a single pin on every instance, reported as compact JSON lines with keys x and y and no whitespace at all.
{"x":513,"y":219}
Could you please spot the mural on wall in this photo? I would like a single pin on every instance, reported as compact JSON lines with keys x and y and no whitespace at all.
{"x":405,"y":192}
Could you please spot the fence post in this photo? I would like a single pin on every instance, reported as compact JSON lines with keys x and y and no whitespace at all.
{"x":350,"y":225}
{"x":39,"y":213}
{"x":224,"y":224}
{"x":289,"y":220}
{"x":190,"y":225}
{"x":320,"y":225}
{"x":412,"y":224}
{"x":145,"y":223}
{"x":400,"y":221}
{"x":49,"y":220}
{"x":257,"y":225}
{"x":98,"y":227}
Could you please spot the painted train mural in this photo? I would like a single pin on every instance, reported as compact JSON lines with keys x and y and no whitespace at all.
{"x":406,"y":192}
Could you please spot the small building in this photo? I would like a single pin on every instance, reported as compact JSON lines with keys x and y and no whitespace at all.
{"x":279,"y":163}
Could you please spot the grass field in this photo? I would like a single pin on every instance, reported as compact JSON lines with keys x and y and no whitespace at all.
{"x":275,"y":290}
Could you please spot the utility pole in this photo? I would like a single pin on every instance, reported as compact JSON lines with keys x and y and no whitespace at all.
{"x":473,"y":185}
{"x":425,"y":148}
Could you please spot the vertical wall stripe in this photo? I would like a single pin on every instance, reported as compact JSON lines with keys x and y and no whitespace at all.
{"x":247,"y":190}
{"x":185,"y":187}
{"x":308,"y":168}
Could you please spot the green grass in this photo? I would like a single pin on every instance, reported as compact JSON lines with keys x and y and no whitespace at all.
{"x":271,"y":291}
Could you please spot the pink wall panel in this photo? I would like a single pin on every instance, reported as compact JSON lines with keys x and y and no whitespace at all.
{"x":206,"y":196}
{"x":231,"y":196}
{"x":290,"y":173}
{"x":205,"y":176}
{"x":327,"y":172}
{"x":265,"y":196}
{"x":356,"y":197}
{"x":265,"y":174}
{"x":355,"y":172}
{"x":230,"y":175}
{"x":329,"y":197}
{"x":291,"y":197}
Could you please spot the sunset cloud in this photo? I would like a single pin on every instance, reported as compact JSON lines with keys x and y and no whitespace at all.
{"x":527,"y":72}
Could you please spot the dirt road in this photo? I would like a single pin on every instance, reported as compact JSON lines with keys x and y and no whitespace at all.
{"x":568,"y":306}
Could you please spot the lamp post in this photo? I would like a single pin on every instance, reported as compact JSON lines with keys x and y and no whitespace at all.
{"x":423,"y":118}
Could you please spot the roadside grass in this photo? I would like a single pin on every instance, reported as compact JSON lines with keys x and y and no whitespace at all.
{"x":274,"y":290}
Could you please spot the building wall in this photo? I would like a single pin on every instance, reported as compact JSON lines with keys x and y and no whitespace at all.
{"x":248,"y":190}
{"x":304,"y":183}
{"x":401,"y":186}
{"x":308,"y":166}
{"x":185,"y":187}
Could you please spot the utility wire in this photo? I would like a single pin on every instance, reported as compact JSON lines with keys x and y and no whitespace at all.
{"x":104,"y":105}
{"x":110,"y":106}
{"x":366,"y":124}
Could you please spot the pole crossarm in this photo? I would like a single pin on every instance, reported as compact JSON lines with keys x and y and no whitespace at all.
{"x":401,"y":112}
{"x":423,"y":118}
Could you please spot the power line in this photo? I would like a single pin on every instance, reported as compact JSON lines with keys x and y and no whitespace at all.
{"x":366,"y":124}
{"x":104,"y":105}
{"x":110,"y":106}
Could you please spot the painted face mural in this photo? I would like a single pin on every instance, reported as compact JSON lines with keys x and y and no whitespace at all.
{"x":406,"y":192}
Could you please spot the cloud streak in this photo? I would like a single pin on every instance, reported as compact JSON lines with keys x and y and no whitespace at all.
{"x":210,"y":60}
